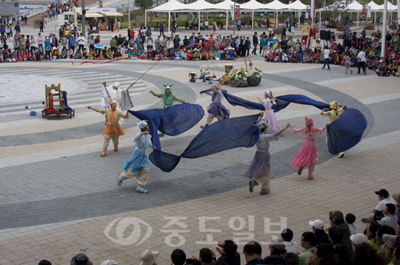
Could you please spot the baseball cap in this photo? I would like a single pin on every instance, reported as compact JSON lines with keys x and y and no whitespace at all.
{"x":335,"y":215}
{"x":318,"y":224}
{"x":382,"y":192}
{"x":359,"y":238}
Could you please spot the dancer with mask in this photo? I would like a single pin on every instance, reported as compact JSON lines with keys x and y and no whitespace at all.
{"x":270,"y":117}
{"x":112,"y":130}
{"x":333,"y":114}
{"x":258,"y":172}
{"x":138,"y":164}
{"x":308,"y":154}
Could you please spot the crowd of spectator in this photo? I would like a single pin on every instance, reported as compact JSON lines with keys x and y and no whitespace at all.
{"x":338,"y":244}
{"x":354,"y":51}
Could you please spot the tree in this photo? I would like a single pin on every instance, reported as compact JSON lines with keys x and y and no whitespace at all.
{"x":144,"y":4}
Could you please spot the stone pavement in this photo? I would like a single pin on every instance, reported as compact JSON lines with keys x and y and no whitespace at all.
{"x":59,"y":197}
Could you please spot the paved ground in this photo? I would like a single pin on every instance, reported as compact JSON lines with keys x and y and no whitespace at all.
{"x":59,"y":197}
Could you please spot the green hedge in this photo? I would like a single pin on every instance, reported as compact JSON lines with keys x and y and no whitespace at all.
{"x":36,"y":23}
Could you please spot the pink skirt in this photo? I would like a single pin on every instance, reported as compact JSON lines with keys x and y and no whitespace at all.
{"x":270,"y":119}
{"x":308,"y":153}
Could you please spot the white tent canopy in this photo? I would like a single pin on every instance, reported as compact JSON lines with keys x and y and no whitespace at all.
{"x":355,"y":6}
{"x":390,"y":7}
{"x":170,"y":6}
{"x":275,"y":5}
{"x":200,"y":5}
{"x":297,"y":5}
{"x":374,"y":6}
{"x":226,"y":5}
{"x":252,"y":5}
{"x":335,"y":6}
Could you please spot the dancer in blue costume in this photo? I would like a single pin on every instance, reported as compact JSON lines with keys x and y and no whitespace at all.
{"x":138,"y":164}
{"x":216,"y":109}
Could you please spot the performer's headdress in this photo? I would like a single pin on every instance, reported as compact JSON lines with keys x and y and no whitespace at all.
{"x":142,"y":124}
{"x":116,"y":84}
{"x":112,"y":102}
{"x":333,"y":105}
{"x":167,"y":87}
{"x":309,"y":121}
{"x":217,"y":86}
{"x":268,"y":93}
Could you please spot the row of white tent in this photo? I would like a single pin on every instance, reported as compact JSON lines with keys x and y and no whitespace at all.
{"x":355,"y":7}
{"x":252,"y":5}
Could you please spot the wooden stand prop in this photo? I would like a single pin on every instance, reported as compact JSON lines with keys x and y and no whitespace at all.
{"x":59,"y":109}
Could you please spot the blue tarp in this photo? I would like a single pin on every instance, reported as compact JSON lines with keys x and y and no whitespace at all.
{"x":346,"y":132}
{"x":219,"y":136}
{"x":172,"y":121}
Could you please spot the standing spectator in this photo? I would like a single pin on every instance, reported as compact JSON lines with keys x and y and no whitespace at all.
{"x":72,"y":43}
{"x":255,"y":43}
{"x":81,"y":42}
{"x":161,"y":29}
{"x":308,"y":242}
{"x":239,"y":23}
{"x":326,"y":57}
{"x":361,"y":61}
{"x":247,"y":45}
{"x":41,"y":25}
{"x":176,"y":42}
{"x":40,"y":43}
{"x":113,"y":44}
{"x":32,"y":43}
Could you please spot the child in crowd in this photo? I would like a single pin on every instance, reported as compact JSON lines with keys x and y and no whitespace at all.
{"x":350,"y":219}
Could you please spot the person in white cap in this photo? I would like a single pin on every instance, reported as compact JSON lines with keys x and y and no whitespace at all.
{"x":318,"y":229}
{"x":138,"y":164}
{"x":258,"y":172}
{"x":121,"y":95}
{"x":358,"y":239}
{"x":112,"y":130}
{"x":149,"y":257}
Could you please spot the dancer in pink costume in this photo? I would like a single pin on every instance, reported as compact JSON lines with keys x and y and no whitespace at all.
{"x":269,"y":117}
{"x":308,"y":154}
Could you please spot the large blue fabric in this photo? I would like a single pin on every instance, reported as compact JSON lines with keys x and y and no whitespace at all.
{"x":281,"y":102}
{"x":346,"y":131}
{"x":343,"y":134}
{"x":172,"y":121}
{"x":219,"y":136}
{"x":65,"y":100}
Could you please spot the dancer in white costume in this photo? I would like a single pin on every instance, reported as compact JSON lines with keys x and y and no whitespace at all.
{"x":269,"y":117}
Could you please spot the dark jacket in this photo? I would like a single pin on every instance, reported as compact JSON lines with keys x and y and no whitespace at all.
{"x":255,"y":40}
{"x":231,"y":259}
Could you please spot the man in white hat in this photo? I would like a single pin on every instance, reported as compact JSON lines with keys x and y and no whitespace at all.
{"x":112,"y":130}
{"x":121,"y":95}
{"x":138,"y":164}
{"x":149,"y":257}
{"x":258,"y":172}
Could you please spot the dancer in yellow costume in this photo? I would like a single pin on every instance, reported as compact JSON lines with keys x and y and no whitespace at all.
{"x":334,"y":113}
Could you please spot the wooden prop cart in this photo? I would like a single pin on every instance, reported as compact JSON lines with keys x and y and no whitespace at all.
{"x":56,"y":103}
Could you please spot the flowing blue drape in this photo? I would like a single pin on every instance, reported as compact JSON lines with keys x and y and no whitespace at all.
{"x":342,"y":134}
{"x":219,"y":136}
{"x":346,"y":132}
{"x":172,"y":121}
